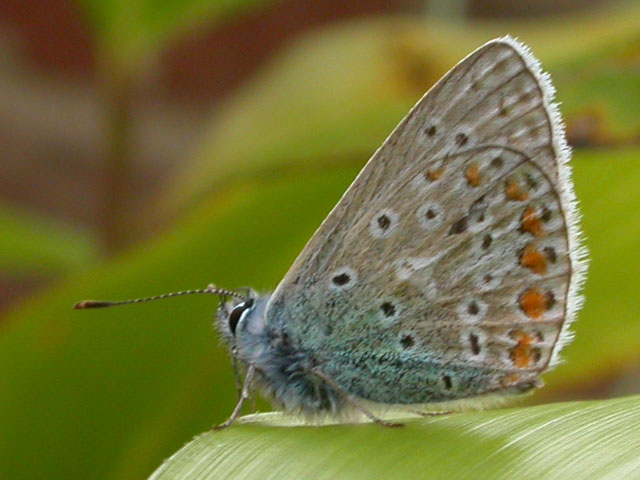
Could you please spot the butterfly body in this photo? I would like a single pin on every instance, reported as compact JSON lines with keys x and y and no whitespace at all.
{"x":284,"y":370}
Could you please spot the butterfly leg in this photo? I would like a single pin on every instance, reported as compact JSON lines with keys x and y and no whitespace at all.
{"x":236,"y":376}
{"x":352,"y":401}
{"x":244,"y":396}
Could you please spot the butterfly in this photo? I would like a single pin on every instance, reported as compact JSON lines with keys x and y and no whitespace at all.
{"x":450,"y":269}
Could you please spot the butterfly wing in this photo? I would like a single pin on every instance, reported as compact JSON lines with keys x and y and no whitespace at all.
{"x":450,"y":268}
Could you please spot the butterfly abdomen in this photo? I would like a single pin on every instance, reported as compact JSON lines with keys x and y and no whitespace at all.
{"x":286,"y":378}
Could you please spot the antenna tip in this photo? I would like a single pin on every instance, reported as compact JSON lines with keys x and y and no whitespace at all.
{"x":90,"y":304}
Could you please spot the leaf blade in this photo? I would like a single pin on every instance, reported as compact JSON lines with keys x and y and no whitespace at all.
{"x":566,"y":440}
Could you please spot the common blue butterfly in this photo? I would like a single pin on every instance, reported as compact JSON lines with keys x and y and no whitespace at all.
{"x":449,"y":270}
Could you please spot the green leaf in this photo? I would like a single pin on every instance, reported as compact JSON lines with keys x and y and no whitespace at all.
{"x":33,"y":246}
{"x":586,"y":440}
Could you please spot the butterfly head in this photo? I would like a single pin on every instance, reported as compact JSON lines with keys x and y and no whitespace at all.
{"x":241,"y":317}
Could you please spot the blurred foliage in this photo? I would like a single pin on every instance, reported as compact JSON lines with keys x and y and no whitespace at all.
{"x":337,"y":94}
{"x":330,"y":99}
{"x":608,"y":331}
{"x":601,"y":105}
{"x":128,"y":386}
{"x":586,"y":440}
{"x":130,"y":34}
{"x":108,"y":394}
{"x":31,"y":245}
{"x":129,"y":31}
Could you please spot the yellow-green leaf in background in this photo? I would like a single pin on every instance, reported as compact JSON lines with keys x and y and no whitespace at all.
{"x":335,"y":95}
{"x":601,"y":99}
{"x":608,"y":331}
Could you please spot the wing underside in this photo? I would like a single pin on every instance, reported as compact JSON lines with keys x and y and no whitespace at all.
{"x":451,"y":265}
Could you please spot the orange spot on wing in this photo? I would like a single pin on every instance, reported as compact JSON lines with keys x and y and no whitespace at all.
{"x":514,"y":191}
{"x":534,"y":303}
{"x":531,"y":222}
{"x":521,"y":356}
{"x":473,"y":175}
{"x":534,"y":260}
{"x":510,"y":380}
{"x":524,"y":354}
{"x":435,"y":174}
{"x":522,"y":337}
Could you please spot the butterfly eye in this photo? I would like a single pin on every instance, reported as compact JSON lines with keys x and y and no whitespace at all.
{"x":236,"y":314}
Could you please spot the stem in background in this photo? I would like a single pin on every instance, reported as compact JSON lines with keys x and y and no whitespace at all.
{"x":117,"y":93}
{"x":454,"y":10}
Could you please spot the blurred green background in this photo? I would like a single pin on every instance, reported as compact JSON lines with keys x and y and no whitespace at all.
{"x":152,"y":146}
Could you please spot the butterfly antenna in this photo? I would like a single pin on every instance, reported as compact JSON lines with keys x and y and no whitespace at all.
{"x":211,"y":289}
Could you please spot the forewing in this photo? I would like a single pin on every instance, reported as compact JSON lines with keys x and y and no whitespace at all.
{"x":450,"y":266}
